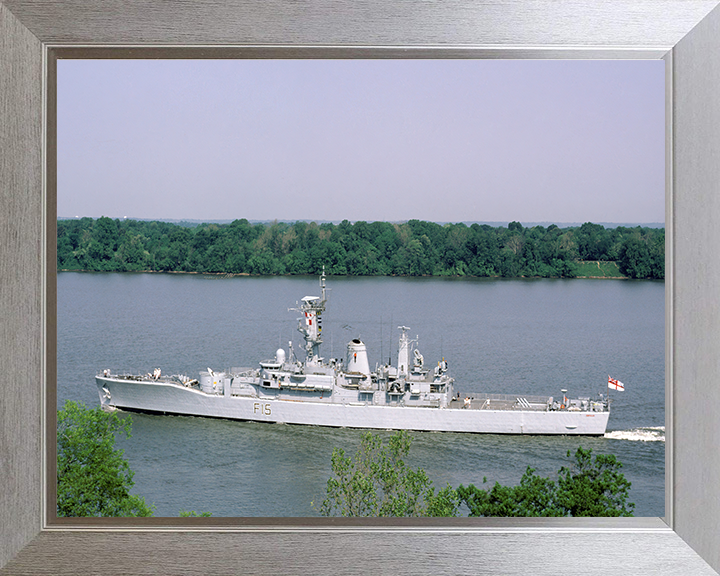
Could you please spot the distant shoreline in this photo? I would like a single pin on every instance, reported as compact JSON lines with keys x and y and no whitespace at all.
{"x":413,"y":248}
{"x":493,"y":223}
{"x":247,"y":274}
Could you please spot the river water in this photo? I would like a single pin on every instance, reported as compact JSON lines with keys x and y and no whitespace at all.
{"x":497,"y":335}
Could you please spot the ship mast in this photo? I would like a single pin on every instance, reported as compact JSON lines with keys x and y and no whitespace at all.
{"x":404,"y":350}
{"x":310,"y":325}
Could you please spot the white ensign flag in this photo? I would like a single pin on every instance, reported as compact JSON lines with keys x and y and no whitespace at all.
{"x":615,"y":384}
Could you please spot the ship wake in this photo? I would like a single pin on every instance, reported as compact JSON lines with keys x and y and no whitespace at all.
{"x":642,"y":434}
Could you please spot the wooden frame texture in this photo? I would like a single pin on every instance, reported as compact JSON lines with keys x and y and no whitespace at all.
{"x":685,"y":33}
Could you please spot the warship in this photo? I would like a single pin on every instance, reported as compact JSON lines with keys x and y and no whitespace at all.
{"x":344,"y":392}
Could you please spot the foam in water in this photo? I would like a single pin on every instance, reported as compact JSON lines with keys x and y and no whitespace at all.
{"x":643,"y":434}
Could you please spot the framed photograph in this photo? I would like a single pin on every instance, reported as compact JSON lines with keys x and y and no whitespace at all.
{"x":683,"y":36}
{"x":265,"y":157}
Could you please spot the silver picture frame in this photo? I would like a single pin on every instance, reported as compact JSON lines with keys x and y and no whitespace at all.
{"x":684,"y":33}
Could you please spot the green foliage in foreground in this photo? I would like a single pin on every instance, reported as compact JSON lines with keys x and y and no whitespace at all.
{"x":93,"y":478}
{"x":193,"y":514}
{"x":589,"y":487}
{"x":377,"y":482}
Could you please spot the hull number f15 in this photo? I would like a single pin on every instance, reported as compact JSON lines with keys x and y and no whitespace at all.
{"x":262,"y":409}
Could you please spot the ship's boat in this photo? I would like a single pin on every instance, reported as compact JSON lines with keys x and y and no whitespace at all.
{"x":347,"y":393}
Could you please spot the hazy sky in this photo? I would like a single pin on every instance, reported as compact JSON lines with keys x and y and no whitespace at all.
{"x":441,"y":140}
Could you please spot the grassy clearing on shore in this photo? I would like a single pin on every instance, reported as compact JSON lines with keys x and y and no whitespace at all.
{"x":598,"y":269}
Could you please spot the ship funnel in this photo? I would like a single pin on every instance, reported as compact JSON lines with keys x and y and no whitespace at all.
{"x":357,"y":360}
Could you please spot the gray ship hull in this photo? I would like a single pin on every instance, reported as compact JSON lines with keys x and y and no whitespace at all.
{"x":175,"y":398}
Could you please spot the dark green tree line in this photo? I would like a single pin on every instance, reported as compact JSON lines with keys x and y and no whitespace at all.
{"x":413,"y":248}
